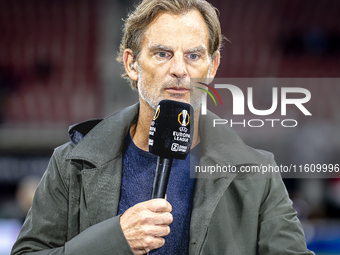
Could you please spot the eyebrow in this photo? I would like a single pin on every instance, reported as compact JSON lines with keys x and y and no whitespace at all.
{"x":156,"y":47}
{"x":200,"y":49}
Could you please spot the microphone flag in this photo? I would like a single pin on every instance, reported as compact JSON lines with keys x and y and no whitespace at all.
{"x":171,"y":130}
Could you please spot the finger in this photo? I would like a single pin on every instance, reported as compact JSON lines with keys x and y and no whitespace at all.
{"x":158,"y":205}
{"x":164,"y":218}
{"x":157,"y":242}
{"x":148,"y":244}
{"x":157,"y":231}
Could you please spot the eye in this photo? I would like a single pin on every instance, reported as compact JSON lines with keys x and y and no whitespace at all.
{"x":161,"y":54}
{"x":193,"y":56}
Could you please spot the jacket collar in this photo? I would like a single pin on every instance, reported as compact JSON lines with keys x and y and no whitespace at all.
{"x":106,"y":140}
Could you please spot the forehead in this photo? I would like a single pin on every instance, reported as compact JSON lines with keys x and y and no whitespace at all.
{"x":185,"y":30}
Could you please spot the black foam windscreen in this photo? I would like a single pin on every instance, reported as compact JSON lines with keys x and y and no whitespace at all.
{"x":171,"y":130}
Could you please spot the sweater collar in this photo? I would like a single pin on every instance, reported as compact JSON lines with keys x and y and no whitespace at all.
{"x":106,"y":140}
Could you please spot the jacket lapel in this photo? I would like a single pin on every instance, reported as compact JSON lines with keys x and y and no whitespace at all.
{"x":221,"y":146}
{"x":208,"y":193}
{"x":102,"y":190}
{"x":102,"y":147}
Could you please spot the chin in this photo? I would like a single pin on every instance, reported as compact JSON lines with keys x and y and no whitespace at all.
{"x":194,"y":102}
{"x":179,"y":97}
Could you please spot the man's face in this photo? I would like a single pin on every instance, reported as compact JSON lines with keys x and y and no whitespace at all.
{"x":174,"y":49}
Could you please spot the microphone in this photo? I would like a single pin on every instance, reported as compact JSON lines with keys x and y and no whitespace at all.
{"x":170,"y":137}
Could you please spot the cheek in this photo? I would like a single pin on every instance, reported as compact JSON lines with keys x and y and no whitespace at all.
{"x":200,"y":71}
{"x":148,"y":82}
{"x":149,"y":72}
{"x":202,"y":67}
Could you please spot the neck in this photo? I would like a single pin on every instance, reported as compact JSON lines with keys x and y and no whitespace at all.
{"x":140,"y":130}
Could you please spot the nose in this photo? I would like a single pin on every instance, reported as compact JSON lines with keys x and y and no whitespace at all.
{"x":178,"y":67}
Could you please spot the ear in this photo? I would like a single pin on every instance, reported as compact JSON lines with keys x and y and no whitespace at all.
{"x":129,"y":65}
{"x":215,"y":64}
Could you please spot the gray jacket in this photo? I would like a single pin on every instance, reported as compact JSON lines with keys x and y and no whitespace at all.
{"x":75,"y":206}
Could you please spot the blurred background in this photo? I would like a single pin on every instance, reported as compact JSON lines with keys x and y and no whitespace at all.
{"x":58,"y":67}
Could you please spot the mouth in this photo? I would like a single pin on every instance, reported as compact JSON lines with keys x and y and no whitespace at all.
{"x":177,"y":90}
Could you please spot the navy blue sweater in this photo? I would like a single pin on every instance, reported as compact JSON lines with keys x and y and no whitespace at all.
{"x":137,"y":180}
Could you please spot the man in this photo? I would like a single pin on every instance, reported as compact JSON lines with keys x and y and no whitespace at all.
{"x":90,"y":198}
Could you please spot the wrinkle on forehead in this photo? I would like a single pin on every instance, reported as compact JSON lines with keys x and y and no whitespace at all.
{"x":171,"y":28}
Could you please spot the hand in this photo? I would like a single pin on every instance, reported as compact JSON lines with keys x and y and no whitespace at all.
{"x":145,"y":224}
